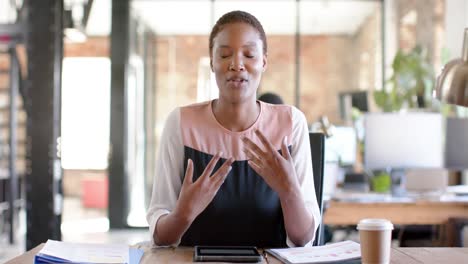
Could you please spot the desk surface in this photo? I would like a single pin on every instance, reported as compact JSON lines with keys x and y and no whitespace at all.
{"x":184,"y":255}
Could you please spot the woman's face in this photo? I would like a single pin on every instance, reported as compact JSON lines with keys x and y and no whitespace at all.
{"x":238,"y":62}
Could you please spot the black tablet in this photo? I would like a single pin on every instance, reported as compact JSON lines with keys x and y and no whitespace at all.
{"x":227,"y":254}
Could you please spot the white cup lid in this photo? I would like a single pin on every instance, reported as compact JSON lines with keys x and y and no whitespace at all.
{"x":374,"y":224}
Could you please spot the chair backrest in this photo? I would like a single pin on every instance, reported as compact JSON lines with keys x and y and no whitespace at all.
{"x":317,"y":146}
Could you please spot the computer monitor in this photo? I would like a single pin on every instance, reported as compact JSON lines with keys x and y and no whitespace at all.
{"x":341,"y":145}
{"x":348,"y":100}
{"x":403,"y":140}
{"x":456,"y":143}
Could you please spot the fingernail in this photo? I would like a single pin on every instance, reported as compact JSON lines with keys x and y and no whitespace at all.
{"x":286,"y":139}
{"x":220,"y":153}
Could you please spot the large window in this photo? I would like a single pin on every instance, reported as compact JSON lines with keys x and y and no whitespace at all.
{"x":338,"y":56}
{"x":85,"y":113}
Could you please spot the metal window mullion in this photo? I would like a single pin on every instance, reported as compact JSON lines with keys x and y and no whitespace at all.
{"x":12,"y":141}
{"x":118,"y":206}
{"x":43,"y":181}
{"x":297,"y":57}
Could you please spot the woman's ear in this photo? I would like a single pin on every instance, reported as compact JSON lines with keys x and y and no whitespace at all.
{"x":211,"y":64}
{"x":265,"y":62}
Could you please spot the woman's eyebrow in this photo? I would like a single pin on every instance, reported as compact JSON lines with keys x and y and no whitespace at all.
{"x":248,"y":44}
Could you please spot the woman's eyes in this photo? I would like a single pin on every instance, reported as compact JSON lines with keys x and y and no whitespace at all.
{"x":248,"y":55}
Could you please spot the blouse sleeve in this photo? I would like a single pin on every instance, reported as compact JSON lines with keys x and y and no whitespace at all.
{"x":302,"y":158}
{"x":169,"y":172}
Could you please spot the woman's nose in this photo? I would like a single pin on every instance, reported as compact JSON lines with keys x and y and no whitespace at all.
{"x":236,"y":64}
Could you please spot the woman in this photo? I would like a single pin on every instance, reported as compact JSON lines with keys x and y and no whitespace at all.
{"x":235,"y":171}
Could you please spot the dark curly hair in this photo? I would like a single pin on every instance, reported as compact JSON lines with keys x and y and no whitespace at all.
{"x":238,"y":17}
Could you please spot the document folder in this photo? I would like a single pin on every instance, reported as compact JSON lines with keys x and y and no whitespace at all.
{"x":64,"y":252}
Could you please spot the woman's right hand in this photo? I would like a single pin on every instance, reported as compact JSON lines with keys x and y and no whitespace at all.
{"x":195,"y":196}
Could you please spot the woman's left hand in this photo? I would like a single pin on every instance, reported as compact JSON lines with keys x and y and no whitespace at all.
{"x":276,"y":169}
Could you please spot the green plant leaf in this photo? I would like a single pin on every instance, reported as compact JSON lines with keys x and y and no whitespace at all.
{"x":381,"y":98}
{"x":412,"y":77}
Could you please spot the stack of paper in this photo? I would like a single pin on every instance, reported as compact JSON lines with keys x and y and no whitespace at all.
{"x":341,"y":252}
{"x":64,"y":252}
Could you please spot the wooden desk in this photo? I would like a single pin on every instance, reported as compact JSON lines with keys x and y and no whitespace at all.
{"x":399,"y":213}
{"x":184,"y":255}
{"x":418,"y":212}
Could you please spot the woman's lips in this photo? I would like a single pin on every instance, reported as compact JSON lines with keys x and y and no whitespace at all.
{"x":237,"y":83}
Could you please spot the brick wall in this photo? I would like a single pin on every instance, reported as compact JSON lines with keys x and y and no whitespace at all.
{"x":279,"y":76}
{"x":177,"y":60}
{"x":368,"y":54}
{"x":328,"y":65}
{"x":5,"y":115}
{"x":325,"y":72}
{"x":324,"y":62}
{"x":93,"y":47}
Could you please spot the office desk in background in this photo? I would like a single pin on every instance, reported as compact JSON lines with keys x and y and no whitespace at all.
{"x":348,"y":209}
{"x":399,"y":213}
{"x":185,"y":255}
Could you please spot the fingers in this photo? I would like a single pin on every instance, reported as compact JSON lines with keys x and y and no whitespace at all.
{"x":221,"y":174}
{"x":253,"y":149}
{"x":189,"y":173}
{"x":284,"y":149}
{"x":265,"y":141}
{"x":250,"y":145}
{"x":211,"y":165}
{"x":256,"y":168}
{"x":251,"y":155}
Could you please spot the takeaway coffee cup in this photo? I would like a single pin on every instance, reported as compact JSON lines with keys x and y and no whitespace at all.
{"x":375,"y":236}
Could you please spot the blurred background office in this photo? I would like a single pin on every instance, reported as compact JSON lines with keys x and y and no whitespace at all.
{"x":86,"y":86}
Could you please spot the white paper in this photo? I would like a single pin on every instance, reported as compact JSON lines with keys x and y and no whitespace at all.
{"x":87,"y":252}
{"x":328,"y":253}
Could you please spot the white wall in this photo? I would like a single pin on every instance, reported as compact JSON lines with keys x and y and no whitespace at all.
{"x":391,"y":40}
{"x":456,"y":19}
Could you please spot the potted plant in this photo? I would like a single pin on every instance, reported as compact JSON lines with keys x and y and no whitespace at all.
{"x":411,"y":83}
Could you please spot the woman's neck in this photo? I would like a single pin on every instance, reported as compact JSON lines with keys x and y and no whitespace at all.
{"x":236,"y":116}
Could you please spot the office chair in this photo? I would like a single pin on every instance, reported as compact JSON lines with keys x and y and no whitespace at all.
{"x":317,"y":146}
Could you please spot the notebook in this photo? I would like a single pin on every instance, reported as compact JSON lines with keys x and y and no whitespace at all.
{"x":348,"y":252}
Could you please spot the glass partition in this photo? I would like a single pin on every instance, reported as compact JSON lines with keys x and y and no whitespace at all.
{"x":340,"y":51}
{"x":316,"y":50}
